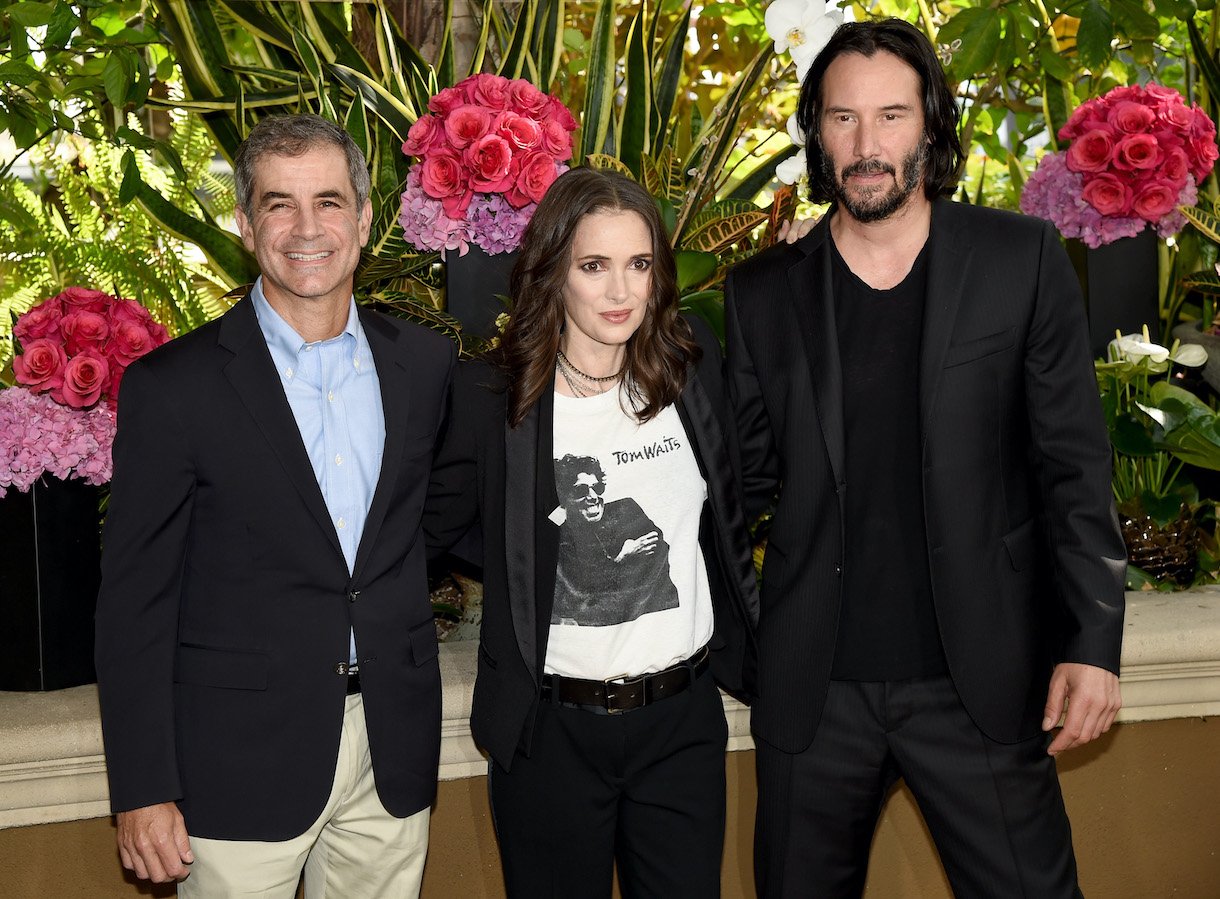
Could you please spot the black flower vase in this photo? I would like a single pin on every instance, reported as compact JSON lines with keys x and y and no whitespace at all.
{"x":50,"y":571}
{"x":1119,"y":283}
{"x":474,"y":284}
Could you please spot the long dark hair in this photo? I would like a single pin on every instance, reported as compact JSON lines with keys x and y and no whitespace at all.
{"x":659,"y":351}
{"x":941,"y":115}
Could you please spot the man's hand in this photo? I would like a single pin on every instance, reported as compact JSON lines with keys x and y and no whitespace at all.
{"x":153,"y":843}
{"x":1092,"y":697}
{"x":796,"y":229}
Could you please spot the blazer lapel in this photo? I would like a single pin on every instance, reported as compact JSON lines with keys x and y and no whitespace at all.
{"x":252,"y":373}
{"x":948,"y":265}
{"x":525,"y":447}
{"x":810,"y":288}
{"x":395,"y":384}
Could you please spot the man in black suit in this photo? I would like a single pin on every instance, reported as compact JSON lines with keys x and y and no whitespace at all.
{"x":265,"y":643}
{"x":913,"y":389}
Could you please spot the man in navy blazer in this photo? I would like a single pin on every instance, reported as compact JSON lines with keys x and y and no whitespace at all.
{"x":266,"y":655}
{"x":913,"y":390}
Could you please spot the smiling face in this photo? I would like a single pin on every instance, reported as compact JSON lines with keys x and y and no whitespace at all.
{"x":872,"y":134}
{"x":585,"y":497}
{"x":305,"y":230}
{"x":609,"y":283}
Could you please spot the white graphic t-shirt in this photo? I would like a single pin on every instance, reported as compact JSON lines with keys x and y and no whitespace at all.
{"x":631,"y":592}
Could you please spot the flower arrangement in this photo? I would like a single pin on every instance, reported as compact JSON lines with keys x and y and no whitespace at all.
{"x":1136,"y":155}
{"x":60,"y":419}
{"x":801,"y":28}
{"x":489,"y":149}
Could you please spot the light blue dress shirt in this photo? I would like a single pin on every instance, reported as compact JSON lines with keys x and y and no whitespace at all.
{"x":335,"y":395}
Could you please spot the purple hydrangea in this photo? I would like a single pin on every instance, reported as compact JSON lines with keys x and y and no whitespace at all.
{"x":39,"y":436}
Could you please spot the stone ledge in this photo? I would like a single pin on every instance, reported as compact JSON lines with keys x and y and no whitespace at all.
{"x":51,"y":765}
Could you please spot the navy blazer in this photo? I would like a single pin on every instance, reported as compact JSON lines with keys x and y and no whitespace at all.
{"x":1026,"y":558}
{"x":226,"y":602}
{"x":504,"y":478}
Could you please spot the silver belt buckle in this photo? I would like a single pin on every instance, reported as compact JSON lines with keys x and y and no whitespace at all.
{"x":622,"y":680}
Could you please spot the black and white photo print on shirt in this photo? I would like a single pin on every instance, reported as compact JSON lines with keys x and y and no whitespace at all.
{"x":613,"y":559}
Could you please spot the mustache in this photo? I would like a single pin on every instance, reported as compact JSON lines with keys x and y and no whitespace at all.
{"x":869,"y":167}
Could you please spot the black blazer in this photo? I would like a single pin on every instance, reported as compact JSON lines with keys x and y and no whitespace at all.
{"x":504,"y":478}
{"x":1023,"y":545}
{"x":226,"y":602}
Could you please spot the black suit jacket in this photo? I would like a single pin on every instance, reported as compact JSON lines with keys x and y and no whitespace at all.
{"x":1025,"y":555}
{"x":226,"y":602}
{"x":504,"y":477}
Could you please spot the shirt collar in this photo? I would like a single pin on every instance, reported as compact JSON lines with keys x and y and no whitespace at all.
{"x":282,"y":336}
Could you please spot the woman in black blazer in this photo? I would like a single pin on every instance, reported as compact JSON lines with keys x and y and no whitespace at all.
{"x":618,"y":585}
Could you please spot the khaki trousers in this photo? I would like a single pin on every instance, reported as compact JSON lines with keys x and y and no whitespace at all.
{"x":355,"y":850}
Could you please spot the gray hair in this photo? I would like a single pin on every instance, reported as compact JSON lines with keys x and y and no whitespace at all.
{"x":294,"y":135}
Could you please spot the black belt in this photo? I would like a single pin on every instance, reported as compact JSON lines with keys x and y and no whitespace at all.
{"x":622,"y":694}
{"x":353,"y":682}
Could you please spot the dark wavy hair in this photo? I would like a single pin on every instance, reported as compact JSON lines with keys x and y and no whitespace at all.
{"x":660,"y":350}
{"x":941,"y":115}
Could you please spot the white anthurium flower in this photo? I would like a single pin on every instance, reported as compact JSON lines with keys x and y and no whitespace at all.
{"x":792,"y":169}
{"x":1155,"y":414}
{"x":795,"y":134}
{"x":1189,"y":354}
{"x":802,"y":27}
{"x":1137,"y":346}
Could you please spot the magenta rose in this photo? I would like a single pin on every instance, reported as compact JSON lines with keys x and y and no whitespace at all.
{"x":561,"y":114}
{"x":446,"y":101}
{"x":1137,"y":151}
{"x":1177,"y":115}
{"x":1126,"y":92}
{"x":523,"y":133}
{"x":424,"y":133}
{"x":527,"y":99}
{"x":116,"y":381}
{"x":41,"y":365}
{"x":84,"y":330}
{"x":490,"y":91}
{"x":1156,"y":200}
{"x":1162,"y":94}
{"x":1087,"y":117}
{"x":441,"y":175}
{"x":488,"y":159}
{"x":1203,"y":153}
{"x":536,"y":175}
{"x":556,"y":141}
{"x":1201,"y":125}
{"x":1107,"y":195}
{"x":84,"y":298}
{"x":1091,"y":152}
{"x":465,"y":125}
{"x":1131,"y":117}
{"x":1176,"y":166}
{"x":455,"y":206}
{"x":85,"y":377}
{"x":41,"y":321}
{"x":128,"y":342}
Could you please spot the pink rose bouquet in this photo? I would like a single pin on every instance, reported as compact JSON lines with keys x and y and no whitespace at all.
{"x":1136,"y":155}
{"x":60,"y":418}
{"x":489,"y":148}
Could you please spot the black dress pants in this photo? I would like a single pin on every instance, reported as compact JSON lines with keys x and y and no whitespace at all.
{"x":994,"y":810}
{"x":644,"y":788}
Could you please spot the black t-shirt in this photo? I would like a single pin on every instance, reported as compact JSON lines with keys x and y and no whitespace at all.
{"x":887,"y":626}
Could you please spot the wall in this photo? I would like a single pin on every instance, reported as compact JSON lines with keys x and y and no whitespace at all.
{"x":1142,"y":800}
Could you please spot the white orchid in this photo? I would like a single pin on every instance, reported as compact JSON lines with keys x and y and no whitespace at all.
{"x":802,"y":28}
{"x":795,"y":134}
{"x":792,"y":169}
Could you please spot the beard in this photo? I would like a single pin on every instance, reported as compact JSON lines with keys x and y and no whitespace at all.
{"x":874,"y":205}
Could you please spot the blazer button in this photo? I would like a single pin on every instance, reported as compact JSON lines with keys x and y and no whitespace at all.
{"x":839,"y":570}
{"x":352,"y":594}
{"x":341,"y":668}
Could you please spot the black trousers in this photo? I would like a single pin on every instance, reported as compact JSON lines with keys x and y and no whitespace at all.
{"x":994,"y":810}
{"x":644,"y":789}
